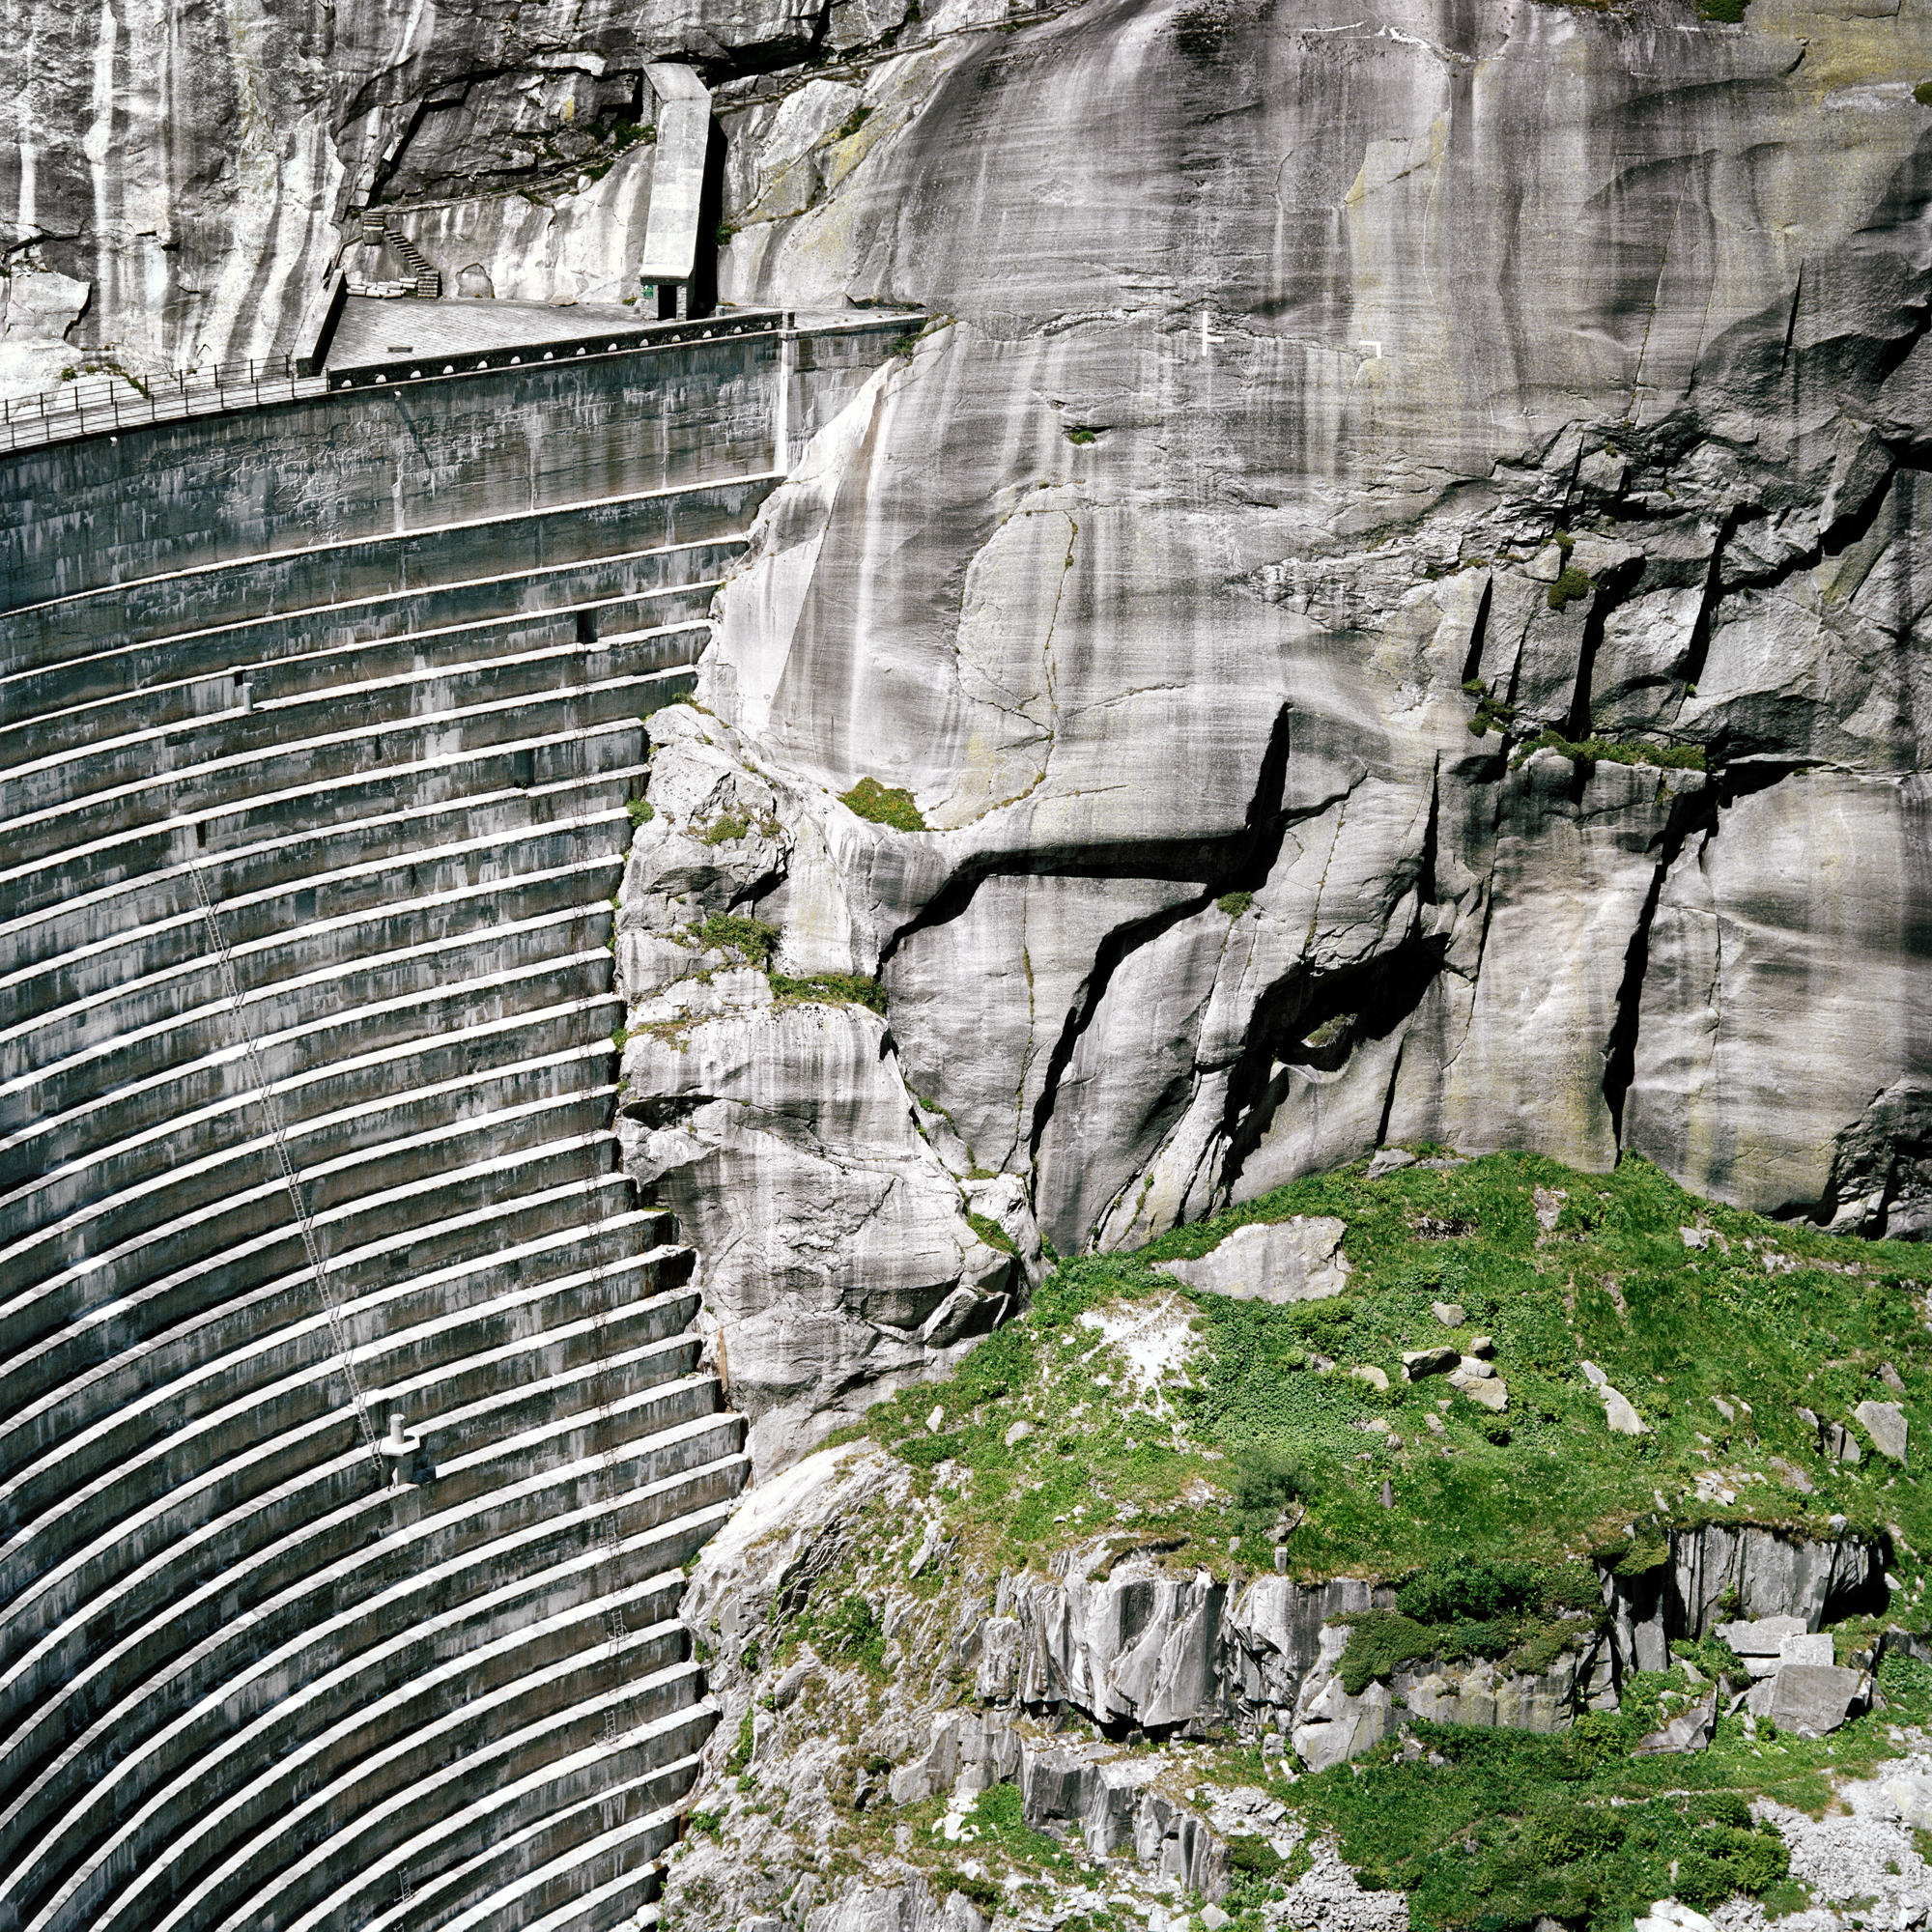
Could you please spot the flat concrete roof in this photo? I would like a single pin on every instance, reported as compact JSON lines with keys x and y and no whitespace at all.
{"x":373,"y":329}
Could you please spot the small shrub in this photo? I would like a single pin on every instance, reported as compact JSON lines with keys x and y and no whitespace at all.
{"x":726,"y":829}
{"x":1082,"y":436}
{"x":1468,"y":1588}
{"x":1491,"y":712}
{"x":1254,"y":1855}
{"x":1600,"y":1741}
{"x":1579,"y":1831}
{"x":1235,"y":904}
{"x":642,"y":810}
{"x":1325,"y":1324}
{"x":1379,"y":1643}
{"x":707,"y":1823}
{"x":1923,"y":93}
{"x":722,"y":233}
{"x":853,"y":1630}
{"x":1268,"y":1476}
{"x":1728,"y":12}
{"x":1571,"y":585}
{"x":884,"y":805}
{"x":852,"y":123}
{"x":1588,"y":751}
{"x":831,"y":989}
{"x":982,"y":1892}
{"x":1643,"y":1558}
{"x":751,"y":939}
{"x":1727,"y":1807}
{"x":926,"y":1451}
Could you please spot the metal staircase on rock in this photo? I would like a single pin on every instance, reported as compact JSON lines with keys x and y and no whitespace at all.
{"x":306,"y":1082}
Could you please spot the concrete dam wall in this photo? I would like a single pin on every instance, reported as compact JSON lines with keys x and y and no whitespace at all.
{"x":353,"y":1427}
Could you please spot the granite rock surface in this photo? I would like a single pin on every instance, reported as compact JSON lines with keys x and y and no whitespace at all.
{"x":1391,"y":636}
{"x":1393,"y":576}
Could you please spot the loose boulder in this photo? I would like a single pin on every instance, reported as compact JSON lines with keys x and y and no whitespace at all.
{"x":1760,"y":1643}
{"x":1810,"y":1699}
{"x":1621,"y":1417}
{"x":1689,"y":1731}
{"x":1885,"y":1423}
{"x":1278,"y":1260}
{"x":1481,"y":1383}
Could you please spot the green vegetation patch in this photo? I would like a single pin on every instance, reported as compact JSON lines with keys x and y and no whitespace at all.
{"x":1572,"y":586}
{"x":1525,"y":1614}
{"x":1201,"y":1430}
{"x":1258,"y":1431}
{"x":1235,"y":904}
{"x":1617,"y":752}
{"x":751,"y":939}
{"x":1728,"y":12}
{"x":1491,"y":712}
{"x":884,"y":805}
{"x":991,"y":1233}
{"x":834,"y":990}
{"x":1494,"y":1828}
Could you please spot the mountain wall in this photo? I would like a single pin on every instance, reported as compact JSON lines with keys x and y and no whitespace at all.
{"x":1394,"y":582}
{"x":1392,"y":578}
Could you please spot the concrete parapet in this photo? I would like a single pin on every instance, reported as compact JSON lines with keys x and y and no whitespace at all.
{"x":182,"y":494}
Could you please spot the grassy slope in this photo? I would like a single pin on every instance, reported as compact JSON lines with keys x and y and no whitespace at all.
{"x":1489,"y":1830}
{"x":1787,"y":1315}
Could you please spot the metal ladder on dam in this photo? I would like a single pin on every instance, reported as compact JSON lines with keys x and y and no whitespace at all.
{"x":306,"y":1084}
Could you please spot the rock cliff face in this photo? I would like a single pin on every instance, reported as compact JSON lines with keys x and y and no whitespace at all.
{"x":188,"y":176}
{"x":1328,"y":425}
{"x":1392,"y":582}
{"x":1102,"y":1699}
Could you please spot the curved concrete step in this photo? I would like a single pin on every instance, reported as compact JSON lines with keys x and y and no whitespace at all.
{"x":500,"y":1202}
{"x":263,"y":1606}
{"x":346,"y":1622}
{"x":513,"y":726}
{"x":267,"y":1381}
{"x":249,"y":1777}
{"x":245,"y":850}
{"x":130,"y":1007}
{"x":482,"y":1856}
{"x":97,"y":1094}
{"x":159,"y":927}
{"x":348,"y":1156}
{"x":614,"y":1760}
{"x":131,"y":1185}
{"x":443,"y":1258}
{"x":504,"y":549}
{"x":69,"y":706}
